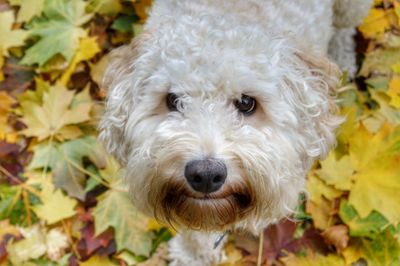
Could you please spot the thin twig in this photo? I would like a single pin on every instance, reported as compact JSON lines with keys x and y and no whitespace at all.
{"x":260,"y":248}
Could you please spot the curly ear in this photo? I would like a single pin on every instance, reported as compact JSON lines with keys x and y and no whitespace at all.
{"x":316,"y":94}
{"x":119,"y":84}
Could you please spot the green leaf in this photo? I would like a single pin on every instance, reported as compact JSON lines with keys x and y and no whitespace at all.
{"x":59,"y":31}
{"x":362,"y":227}
{"x":124,"y":24}
{"x":114,"y":209}
{"x":105,"y":7}
{"x":384,"y":250}
{"x":66,"y":162}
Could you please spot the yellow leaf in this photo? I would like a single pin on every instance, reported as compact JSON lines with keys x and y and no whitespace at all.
{"x":97,"y":260}
{"x":55,"y":205}
{"x":337,"y":172}
{"x":320,"y":205}
{"x":88,"y":47}
{"x":6,"y":103}
{"x":375,"y":23}
{"x":377,"y":172}
{"x":142,"y":8}
{"x":321,"y":213}
{"x":318,"y":189}
{"x":353,"y":253}
{"x":28,"y":9}
{"x":7,"y":229}
{"x":394,"y":92}
{"x":98,"y":70}
{"x":233,"y":256}
{"x":313,"y":259}
{"x":32,"y":246}
{"x":59,"y":109}
{"x":8,"y":37}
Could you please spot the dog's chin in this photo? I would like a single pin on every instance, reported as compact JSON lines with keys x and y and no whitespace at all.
{"x":180,"y":207}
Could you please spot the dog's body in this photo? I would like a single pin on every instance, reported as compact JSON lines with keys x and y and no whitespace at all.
{"x":219,"y":109}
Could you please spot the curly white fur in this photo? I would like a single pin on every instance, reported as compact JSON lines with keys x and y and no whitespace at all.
{"x":210,"y":52}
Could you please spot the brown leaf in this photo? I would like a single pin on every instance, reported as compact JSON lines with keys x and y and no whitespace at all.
{"x":337,"y":236}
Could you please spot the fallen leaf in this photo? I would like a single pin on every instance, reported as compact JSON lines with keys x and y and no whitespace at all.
{"x":32,"y":246}
{"x":105,"y":7}
{"x":59,"y":31}
{"x":97,"y":261}
{"x":369,"y":226}
{"x":10,"y":38}
{"x":337,"y":236}
{"x":129,"y":224}
{"x":28,"y":9}
{"x":337,"y":172}
{"x":377,"y":182}
{"x":66,"y":162}
{"x":88,"y":48}
{"x":375,"y":23}
{"x":55,"y":205}
{"x":313,"y":259}
{"x":57,"y":115}
{"x":394,"y":92}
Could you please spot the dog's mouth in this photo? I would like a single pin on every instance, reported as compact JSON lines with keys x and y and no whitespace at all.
{"x":178,"y":206}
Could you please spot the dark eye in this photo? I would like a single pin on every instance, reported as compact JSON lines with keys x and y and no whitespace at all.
{"x":246,"y":105}
{"x":172,"y":101}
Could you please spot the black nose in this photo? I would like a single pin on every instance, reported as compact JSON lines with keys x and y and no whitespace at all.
{"x":205,"y":175}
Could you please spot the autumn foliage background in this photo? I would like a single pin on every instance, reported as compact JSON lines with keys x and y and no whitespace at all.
{"x":63,"y":201}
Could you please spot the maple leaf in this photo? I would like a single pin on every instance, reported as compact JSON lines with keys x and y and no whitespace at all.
{"x":88,"y":47}
{"x":59,"y":31}
{"x":65,"y":161}
{"x":375,"y":23}
{"x":336,"y":172}
{"x":6,"y":103}
{"x":114,"y":209}
{"x":313,"y":259}
{"x":97,"y":260}
{"x":8,"y":37}
{"x":377,"y":182}
{"x":28,"y":9}
{"x":383,"y":250}
{"x":105,"y":7}
{"x":55,"y":205}
{"x":385,"y":111}
{"x":56,"y":115}
{"x":368,"y":227}
{"x":32,"y":247}
{"x":337,"y":236}
{"x":394,"y":92}
{"x":380,"y":61}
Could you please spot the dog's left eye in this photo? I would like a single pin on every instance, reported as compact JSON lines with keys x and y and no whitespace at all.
{"x":246,"y":105}
{"x":172,"y":101}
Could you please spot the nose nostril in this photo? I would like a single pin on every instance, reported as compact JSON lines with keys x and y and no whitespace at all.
{"x":197,"y":179}
{"x":217,"y":179}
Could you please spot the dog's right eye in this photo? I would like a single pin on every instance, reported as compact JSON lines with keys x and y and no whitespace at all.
{"x":172,"y":101}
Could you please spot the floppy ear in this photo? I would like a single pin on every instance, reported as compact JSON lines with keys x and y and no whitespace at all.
{"x":316,"y":98}
{"x":119,"y":84}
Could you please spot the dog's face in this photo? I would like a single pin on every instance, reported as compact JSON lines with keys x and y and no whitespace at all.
{"x":217,"y":129}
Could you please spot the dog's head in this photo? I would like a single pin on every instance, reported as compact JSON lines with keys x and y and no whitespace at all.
{"x":217,"y":128}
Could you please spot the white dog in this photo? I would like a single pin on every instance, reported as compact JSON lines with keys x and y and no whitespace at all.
{"x":218,"y":110}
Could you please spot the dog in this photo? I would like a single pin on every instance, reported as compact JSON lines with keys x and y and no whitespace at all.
{"x":219,"y":108}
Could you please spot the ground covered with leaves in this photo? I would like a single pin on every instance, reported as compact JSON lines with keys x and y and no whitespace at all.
{"x":63,"y":201}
